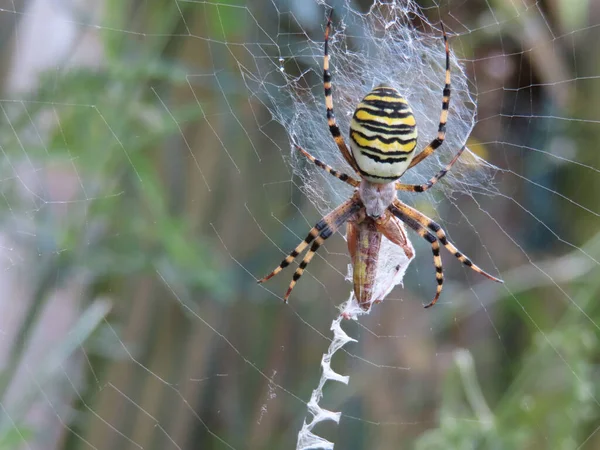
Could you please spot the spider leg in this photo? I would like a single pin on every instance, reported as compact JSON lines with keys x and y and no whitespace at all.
{"x":312,"y":235}
{"x":423,"y":187}
{"x":333,"y":127}
{"x":424,"y":221}
{"x":435,"y":248}
{"x":307,"y":258}
{"x":433,"y":145}
{"x":327,"y":226}
{"x":339,"y":175}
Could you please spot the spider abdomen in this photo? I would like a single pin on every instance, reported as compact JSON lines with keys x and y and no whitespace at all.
{"x":383,"y":135}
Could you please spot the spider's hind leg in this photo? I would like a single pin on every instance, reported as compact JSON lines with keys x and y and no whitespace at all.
{"x":339,"y":175}
{"x":441,"y":136}
{"x":331,"y":122}
{"x":437,"y":177}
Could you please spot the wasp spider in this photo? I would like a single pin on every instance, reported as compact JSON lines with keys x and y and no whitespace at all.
{"x":383,"y":137}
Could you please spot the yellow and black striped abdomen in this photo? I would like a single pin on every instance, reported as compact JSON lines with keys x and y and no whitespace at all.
{"x":383,"y":135}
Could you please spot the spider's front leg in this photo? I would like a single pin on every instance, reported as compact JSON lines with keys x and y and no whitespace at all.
{"x":327,"y":226}
{"x":421,"y":224}
{"x":427,"y":223}
{"x":435,"y":249}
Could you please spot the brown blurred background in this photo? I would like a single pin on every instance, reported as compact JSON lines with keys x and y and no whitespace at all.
{"x":144,"y":189}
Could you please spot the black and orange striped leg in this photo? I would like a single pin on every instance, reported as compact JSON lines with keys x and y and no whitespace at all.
{"x":317,"y":235}
{"x":307,"y":258}
{"x":433,"y":145}
{"x":333,"y":127}
{"x":435,"y":179}
{"x":426,"y":222}
{"x":339,"y":175}
{"x":435,"y":248}
{"x":312,"y":235}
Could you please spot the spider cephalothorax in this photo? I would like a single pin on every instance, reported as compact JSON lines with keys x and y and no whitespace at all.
{"x":383,"y":138}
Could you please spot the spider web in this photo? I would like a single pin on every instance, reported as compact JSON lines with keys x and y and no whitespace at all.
{"x":148,"y":178}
